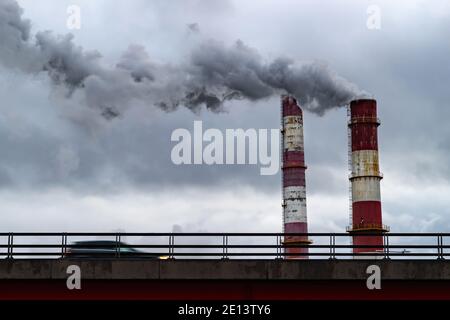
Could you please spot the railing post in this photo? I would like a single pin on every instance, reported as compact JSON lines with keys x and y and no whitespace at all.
{"x":279,"y":248}
{"x":386,"y":249}
{"x":10,"y":245}
{"x":118,"y":239}
{"x":8,"y":248}
{"x":224,"y":247}
{"x":171,"y":244}
{"x":281,"y":244}
{"x":332,"y":246}
{"x":63,"y":245}
{"x":439,"y":248}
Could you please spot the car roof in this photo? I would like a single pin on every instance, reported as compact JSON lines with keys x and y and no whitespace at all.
{"x":97,"y":242}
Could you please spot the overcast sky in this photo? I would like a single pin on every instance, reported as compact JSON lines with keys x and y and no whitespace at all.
{"x":65,"y":168}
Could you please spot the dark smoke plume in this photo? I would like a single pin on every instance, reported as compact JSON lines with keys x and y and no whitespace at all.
{"x":214,"y":73}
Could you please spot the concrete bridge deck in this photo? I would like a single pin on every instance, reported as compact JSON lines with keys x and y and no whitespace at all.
{"x":225,"y":279}
{"x":117,"y":269}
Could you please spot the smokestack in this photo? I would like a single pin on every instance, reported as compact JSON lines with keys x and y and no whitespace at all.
{"x":365,"y":176}
{"x":293,"y":177}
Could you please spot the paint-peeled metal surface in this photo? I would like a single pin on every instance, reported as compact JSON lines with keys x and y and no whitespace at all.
{"x":364,"y":124}
{"x":376,"y":241}
{"x":295,"y":211}
{"x":293,"y":176}
{"x":364,"y":136}
{"x":366,"y":213}
{"x":365,"y":176}
{"x":365,"y":163}
{"x":366,"y":189}
{"x":367,"y":218}
{"x":295,"y":204}
{"x":296,"y":227}
{"x":290,"y":107}
{"x":293,"y":133}
{"x":294,"y":192}
{"x":294,"y":159}
{"x":363,"y":108}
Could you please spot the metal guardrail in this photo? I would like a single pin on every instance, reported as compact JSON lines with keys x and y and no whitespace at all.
{"x":229,"y":245}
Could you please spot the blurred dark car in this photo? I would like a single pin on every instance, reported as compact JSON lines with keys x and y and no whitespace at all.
{"x":105,"y":249}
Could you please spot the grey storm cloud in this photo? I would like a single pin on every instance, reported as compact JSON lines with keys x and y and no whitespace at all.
{"x":107,"y":168}
{"x":213,"y":73}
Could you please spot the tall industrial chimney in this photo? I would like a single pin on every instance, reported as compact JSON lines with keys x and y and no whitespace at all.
{"x":365,"y":177}
{"x":293,"y":177}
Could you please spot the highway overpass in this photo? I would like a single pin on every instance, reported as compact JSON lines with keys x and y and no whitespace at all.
{"x":224,"y":279}
{"x":225,"y":266}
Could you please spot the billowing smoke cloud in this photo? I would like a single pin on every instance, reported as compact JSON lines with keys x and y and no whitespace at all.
{"x":213,"y":74}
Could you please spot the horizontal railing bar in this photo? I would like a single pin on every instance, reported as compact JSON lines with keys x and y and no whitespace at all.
{"x":162,"y":254}
{"x":165,"y":234}
{"x":218,"y":246}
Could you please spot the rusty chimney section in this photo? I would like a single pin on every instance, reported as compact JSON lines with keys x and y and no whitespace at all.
{"x":293,"y":177}
{"x":365,"y":177}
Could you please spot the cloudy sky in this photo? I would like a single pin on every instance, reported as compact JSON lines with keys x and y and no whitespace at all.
{"x":64,"y":167}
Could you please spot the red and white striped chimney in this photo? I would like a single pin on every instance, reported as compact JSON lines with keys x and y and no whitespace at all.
{"x":365,"y":177}
{"x":293,"y":166}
